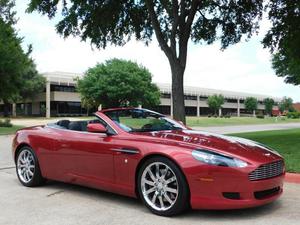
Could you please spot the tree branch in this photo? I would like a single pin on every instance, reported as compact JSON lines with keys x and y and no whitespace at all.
{"x":159,"y":35}
{"x":186,"y":31}
{"x":183,"y":14}
{"x":191,"y":16}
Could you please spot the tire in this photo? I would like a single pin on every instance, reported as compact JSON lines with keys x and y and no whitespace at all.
{"x":28,"y":169}
{"x":165,"y":193}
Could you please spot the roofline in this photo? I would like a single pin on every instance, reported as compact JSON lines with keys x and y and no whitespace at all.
{"x":66,"y":77}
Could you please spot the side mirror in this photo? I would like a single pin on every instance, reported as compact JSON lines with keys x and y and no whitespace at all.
{"x":96,"y":128}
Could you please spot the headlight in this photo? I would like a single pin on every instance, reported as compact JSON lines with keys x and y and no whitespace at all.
{"x":217,"y":159}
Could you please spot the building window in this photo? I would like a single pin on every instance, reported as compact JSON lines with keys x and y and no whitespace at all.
{"x":190,"y":97}
{"x":231,"y":100}
{"x":62,"y":88}
{"x":64,"y":108}
{"x":191,"y":111}
{"x":203,"y":98}
{"x":165,"y":95}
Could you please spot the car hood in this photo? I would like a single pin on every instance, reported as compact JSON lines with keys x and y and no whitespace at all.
{"x":229,"y":145}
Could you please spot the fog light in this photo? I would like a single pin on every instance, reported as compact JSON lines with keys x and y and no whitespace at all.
{"x":231,"y":195}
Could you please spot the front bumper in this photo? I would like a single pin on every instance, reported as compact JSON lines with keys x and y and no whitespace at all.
{"x":231,"y":189}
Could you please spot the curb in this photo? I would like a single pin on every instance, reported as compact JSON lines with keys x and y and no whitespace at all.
{"x":292,"y":178}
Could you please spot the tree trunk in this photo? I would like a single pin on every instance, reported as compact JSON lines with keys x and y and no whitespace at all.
{"x":178,"y":92}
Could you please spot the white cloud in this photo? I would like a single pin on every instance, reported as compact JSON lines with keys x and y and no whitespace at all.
{"x":243,"y":67}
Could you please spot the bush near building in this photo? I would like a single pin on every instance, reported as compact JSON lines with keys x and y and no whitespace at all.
{"x":215,"y":103}
{"x":293,"y":115}
{"x":251,"y":104}
{"x":269,"y":103}
{"x":5,"y":123}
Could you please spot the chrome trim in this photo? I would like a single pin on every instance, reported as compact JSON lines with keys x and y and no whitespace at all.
{"x":84,"y":132}
{"x":267,"y":171}
{"x":124,"y":150}
{"x":76,"y":131}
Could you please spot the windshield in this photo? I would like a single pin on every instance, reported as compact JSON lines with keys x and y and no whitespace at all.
{"x":142,"y":120}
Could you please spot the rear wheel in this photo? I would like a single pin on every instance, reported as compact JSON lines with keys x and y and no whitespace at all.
{"x":28,"y":169}
{"x":162,"y":187}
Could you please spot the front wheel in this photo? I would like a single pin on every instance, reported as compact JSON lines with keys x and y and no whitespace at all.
{"x":27,"y":168}
{"x":162,"y":187}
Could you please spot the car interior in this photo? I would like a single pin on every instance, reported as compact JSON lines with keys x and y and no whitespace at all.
{"x":75,"y":125}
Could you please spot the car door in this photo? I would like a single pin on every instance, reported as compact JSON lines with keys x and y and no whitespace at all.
{"x":86,"y":158}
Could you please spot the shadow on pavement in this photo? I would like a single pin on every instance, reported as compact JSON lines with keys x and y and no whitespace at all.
{"x":127,"y":202}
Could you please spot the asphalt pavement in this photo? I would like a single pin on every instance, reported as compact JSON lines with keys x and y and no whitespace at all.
{"x":57,"y":203}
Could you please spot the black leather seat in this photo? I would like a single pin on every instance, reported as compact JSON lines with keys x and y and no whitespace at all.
{"x":75,"y":125}
{"x":64,"y":123}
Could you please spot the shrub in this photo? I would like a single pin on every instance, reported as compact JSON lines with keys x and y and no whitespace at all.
{"x":293,"y":115}
{"x":260,"y":116}
{"x":5,"y":123}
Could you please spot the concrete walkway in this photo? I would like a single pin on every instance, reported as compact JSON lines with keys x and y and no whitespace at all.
{"x":248,"y":128}
{"x":27,"y":122}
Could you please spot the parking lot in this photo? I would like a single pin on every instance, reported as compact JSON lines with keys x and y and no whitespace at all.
{"x":58,"y":203}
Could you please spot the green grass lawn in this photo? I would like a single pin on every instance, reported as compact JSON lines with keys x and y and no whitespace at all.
{"x":9,"y":130}
{"x":207,"y":122}
{"x":286,"y":142}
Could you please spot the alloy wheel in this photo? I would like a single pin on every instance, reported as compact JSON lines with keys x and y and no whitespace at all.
{"x":26,"y":166}
{"x":159,"y":186}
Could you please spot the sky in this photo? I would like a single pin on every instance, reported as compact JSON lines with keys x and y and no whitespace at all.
{"x":244,"y":67}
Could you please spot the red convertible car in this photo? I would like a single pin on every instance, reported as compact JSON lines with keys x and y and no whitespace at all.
{"x":141,"y":153}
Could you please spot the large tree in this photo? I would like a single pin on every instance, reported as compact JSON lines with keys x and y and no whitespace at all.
{"x":19,"y":78}
{"x":251,"y":104}
{"x":215,"y":102}
{"x":6,"y":11}
{"x":31,"y":81}
{"x":173,"y":22}
{"x":118,"y":83}
{"x":283,"y":39}
{"x":11,"y":61}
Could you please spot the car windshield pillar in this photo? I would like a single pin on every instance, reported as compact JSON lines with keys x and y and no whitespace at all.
{"x":141,"y":120}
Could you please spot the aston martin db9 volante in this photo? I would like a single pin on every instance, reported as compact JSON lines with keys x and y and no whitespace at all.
{"x":144,"y":154}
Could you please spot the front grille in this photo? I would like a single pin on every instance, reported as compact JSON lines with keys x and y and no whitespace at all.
{"x":267,"y":171}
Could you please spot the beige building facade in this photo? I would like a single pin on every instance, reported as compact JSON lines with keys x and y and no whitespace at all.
{"x":60,"y":98}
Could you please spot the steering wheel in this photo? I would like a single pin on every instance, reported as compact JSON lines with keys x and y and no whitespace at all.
{"x":147,"y":126}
